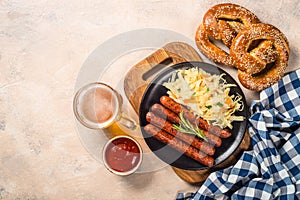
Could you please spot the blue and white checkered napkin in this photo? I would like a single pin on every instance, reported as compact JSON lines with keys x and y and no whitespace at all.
{"x":272,"y":169}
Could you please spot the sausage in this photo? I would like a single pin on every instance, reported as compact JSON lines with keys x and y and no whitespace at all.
{"x":171,"y":104}
{"x":177,"y":108}
{"x":165,"y":113}
{"x":179,"y":145}
{"x":167,"y":126}
{"x":174,"y":118}
{"x":189,"y":139}
{"x":222,"y":133}
{"x":212,"y":139}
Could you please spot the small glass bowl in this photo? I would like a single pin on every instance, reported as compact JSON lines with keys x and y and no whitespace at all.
{"x":122,"y":155}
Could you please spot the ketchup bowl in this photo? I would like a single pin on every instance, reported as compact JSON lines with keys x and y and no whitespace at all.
{"x":122,"y":155}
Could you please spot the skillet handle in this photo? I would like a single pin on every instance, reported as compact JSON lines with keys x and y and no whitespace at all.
{"x":141,"y":74}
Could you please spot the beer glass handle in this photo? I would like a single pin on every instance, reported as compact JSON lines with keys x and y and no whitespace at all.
{"x":128,"y":123}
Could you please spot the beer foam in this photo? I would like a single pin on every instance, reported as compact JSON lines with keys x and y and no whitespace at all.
{"x":98,"y":106}
{"x":104,"y":104}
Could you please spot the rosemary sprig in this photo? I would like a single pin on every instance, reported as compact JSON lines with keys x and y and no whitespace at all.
{"x":185,"y":126}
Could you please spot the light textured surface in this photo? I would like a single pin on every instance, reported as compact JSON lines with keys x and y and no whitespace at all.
{"x":43,"y":46}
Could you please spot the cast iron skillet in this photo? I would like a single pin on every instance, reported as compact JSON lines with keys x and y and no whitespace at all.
{"x":152,"y":95}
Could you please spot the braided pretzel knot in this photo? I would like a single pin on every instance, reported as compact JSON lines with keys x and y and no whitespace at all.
{"x":264,"y":65}
{"x":222,"y":22}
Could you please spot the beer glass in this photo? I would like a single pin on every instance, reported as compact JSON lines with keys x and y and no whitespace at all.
{"x":98,"y":106}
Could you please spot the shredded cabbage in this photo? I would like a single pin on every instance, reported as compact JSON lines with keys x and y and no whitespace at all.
{"x":207,"y":95}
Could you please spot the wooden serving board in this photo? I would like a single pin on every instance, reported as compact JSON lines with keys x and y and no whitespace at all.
{"x":141,"y":74}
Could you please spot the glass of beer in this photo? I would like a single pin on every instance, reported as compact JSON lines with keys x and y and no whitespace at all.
{"x":98,"y":106}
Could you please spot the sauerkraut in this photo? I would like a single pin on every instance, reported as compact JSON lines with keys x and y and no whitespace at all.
{"x":207,"y":95}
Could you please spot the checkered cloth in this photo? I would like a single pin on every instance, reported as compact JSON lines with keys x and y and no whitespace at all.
{"x":271,"y":170}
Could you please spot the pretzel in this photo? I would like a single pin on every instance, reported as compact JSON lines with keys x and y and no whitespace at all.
{"x":262,"y":66}
{"x":210,"y":50}
{"x":222,"y":22}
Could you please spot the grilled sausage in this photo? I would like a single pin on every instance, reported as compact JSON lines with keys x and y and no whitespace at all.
{"x":222,"y":133}
{"x":177,"y":108}
{"x":189,"y":139}
{"x":169,"y":115}
{"x":179,"y":145}
{"x":168,"y":127}
{"x":165,"y":113}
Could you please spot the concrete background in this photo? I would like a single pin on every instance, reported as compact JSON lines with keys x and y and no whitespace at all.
{"x":43,"y":45}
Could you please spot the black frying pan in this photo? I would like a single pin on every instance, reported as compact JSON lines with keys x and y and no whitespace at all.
{"x":152,"y":95}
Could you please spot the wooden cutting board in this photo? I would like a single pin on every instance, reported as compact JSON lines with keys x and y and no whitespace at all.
{"x":141,"y":74}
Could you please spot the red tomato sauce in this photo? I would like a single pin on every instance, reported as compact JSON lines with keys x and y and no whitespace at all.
{"x":122,"y":154}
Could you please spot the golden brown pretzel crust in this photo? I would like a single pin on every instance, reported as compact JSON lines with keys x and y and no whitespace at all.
{"x":237,"y":17}
{"x":210,"y":50}
{"x":264,"y":65}
{"x":222,"y":22}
